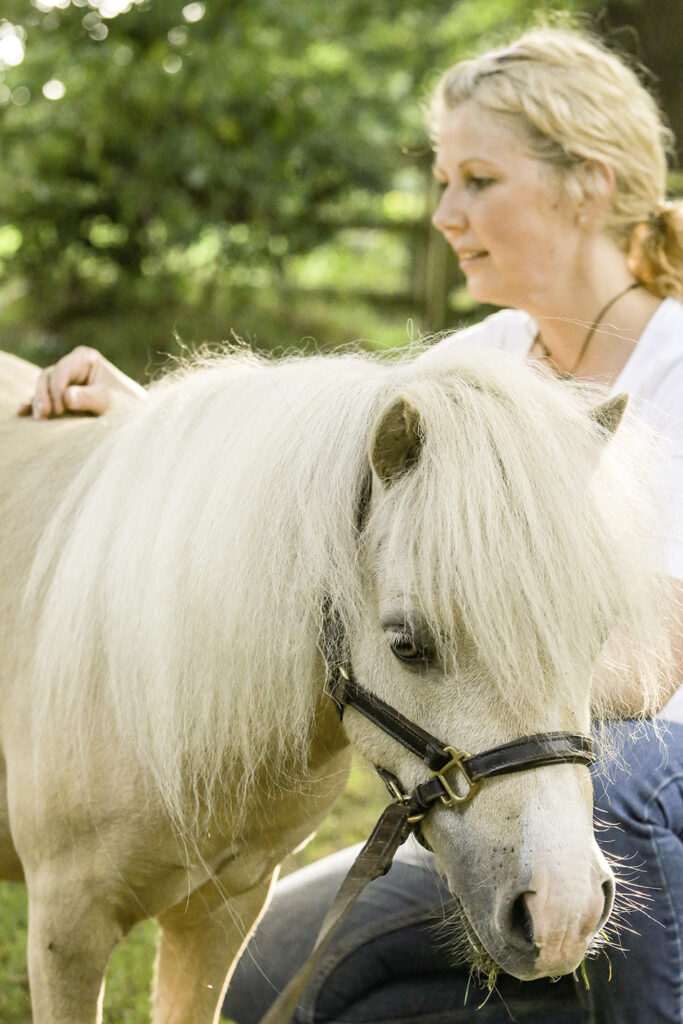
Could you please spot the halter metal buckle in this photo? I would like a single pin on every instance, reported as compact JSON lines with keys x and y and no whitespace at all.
{"x":392,"y":784}
{"x":452,"y":798}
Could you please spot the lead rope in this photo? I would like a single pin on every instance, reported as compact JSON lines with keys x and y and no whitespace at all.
{"x":391,"y":831}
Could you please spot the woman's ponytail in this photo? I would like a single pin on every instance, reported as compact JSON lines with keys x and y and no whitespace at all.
{"x":656,"y":253}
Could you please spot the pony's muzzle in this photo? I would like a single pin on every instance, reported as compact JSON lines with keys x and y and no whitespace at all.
{"x":553,"y":931}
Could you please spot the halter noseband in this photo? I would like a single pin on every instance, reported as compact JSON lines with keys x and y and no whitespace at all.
{"x":526,"y":752}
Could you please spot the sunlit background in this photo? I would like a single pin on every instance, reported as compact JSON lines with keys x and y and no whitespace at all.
{"x":187,"y":172}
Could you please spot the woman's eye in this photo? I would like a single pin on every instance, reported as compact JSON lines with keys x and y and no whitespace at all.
{"x":478,"y":184}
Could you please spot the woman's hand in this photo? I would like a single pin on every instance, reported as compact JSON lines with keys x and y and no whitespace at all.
{"x":83,"y":382}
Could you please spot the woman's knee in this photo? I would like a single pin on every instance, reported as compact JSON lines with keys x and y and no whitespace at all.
{"x":639,"y":783}
{"x":387,"y":930}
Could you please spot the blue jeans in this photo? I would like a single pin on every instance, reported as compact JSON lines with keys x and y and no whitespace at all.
{"x":392,"y":963}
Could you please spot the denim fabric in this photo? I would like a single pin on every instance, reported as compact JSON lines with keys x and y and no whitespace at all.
{"x":393,"y":964}
{"x":640,"y":798}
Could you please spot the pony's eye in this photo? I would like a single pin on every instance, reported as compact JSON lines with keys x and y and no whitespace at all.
{"x":404,"y":647}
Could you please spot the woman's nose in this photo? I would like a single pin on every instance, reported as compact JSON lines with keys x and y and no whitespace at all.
{"x":448,"y":216}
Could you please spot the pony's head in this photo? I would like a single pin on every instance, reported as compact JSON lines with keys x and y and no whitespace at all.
{"x":496,"y":560}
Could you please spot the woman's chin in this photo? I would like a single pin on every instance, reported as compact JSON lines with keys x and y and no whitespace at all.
{"x":481,"y":289}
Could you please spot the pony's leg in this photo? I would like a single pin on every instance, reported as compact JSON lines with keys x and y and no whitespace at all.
{"x":199,"y":944}
{"x":70,"y":939}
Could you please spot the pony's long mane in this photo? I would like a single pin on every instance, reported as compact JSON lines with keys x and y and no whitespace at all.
{"x":180,"y":583}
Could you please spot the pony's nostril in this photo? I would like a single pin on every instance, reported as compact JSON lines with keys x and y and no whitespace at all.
{"x":608,"y":894}
{"x":522,"y":924}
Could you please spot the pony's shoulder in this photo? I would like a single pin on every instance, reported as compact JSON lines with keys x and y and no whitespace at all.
{"x":17,"y":382}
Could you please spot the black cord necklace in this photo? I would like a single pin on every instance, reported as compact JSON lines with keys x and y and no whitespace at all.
{"x":547,"y":354}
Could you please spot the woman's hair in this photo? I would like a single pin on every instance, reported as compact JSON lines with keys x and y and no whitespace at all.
{"x":573,"y":101}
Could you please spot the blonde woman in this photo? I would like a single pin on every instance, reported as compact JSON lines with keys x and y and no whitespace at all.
{"x":553,"y":161}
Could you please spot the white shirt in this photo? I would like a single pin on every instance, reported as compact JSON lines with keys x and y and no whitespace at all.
{"x":653,"y":379}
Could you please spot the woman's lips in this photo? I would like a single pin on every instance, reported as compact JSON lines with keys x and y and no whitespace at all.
{"x":468,"y":256}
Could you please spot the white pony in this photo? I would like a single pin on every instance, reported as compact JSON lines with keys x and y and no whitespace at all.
{"x":165,"y":733}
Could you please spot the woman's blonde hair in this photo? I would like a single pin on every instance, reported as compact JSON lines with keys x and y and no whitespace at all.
{"x":573,"y":101}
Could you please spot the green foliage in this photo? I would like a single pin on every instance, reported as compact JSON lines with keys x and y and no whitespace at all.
{"x":192,"y":151}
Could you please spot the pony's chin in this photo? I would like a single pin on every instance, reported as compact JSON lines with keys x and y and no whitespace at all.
{"x":467,"y":945}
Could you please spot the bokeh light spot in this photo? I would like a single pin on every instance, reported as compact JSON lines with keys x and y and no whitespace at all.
{"x":194,"y":12}
{"x":172,"y":64}
{"x":21,"y":96}
{"x":11,"y":46}
{"x":54,"y":89}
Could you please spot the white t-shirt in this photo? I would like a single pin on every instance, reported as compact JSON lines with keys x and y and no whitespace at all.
{"x":653,"y":379}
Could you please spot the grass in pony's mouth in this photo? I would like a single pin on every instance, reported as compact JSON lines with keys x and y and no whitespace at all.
{"x":487,"y":971}
{"x":582,"y":972}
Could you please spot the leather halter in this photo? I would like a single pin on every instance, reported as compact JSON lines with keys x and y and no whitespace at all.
{"x":466,"y":771}
{"x":527,"y":752}
{"x":455,"y":778}
{"x":524,"y":753}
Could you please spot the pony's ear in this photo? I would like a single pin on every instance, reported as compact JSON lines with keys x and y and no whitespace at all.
{"x":608,"y":415}
{"x":396,"y":442}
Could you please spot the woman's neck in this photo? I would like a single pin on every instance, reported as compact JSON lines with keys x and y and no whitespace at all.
{"x":590,"y":328}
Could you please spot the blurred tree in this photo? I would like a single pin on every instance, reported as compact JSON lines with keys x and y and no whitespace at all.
{"x":175,"y":117}
{"x":652,"y":32}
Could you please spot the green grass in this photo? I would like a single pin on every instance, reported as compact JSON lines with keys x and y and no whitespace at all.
{"x":127,"y":998}
{"x":14,"y":999}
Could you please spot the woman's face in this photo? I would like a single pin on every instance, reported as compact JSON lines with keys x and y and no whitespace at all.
{"x":505,"y":213}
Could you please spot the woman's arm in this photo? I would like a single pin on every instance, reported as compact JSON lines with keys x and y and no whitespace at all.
{"x":82,"y":381}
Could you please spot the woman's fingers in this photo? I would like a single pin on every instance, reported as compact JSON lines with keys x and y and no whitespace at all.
{"x":79,"y":367}
{"x":55,"y":392}
{"x":48,"y":398}
{"x":82,"y":381}
{"x":41,"y":404}
{"x":95,"y":398}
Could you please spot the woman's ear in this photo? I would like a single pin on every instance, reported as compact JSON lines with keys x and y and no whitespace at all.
{"x":594,"y":183}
